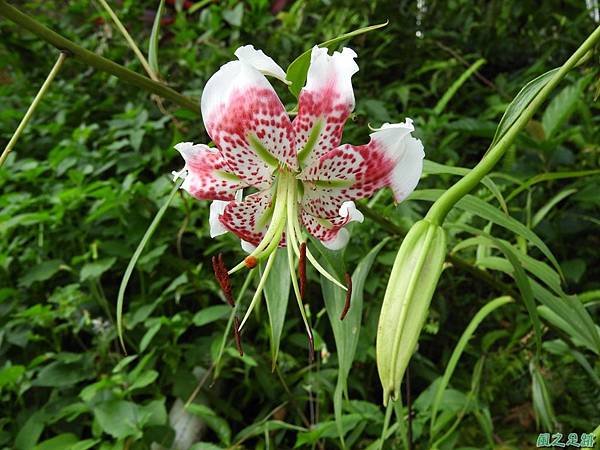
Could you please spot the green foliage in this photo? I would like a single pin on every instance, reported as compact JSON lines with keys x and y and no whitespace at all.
{"x":90,"y":172}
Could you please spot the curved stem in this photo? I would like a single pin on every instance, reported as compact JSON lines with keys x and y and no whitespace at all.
{"x":259,"y":289}
{"x":15,"y":137}
{"x":438,"y":211}
{"x":129,"y":40}
{"x":94,"y":60}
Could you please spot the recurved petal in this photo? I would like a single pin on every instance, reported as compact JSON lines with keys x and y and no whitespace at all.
{"x":392,"y":158}
{"x":248,"y":123}
{"x":331,"y":232}
{"x":208,"y":176}
{"x":261,"y":62}
{"x":324,"y":104}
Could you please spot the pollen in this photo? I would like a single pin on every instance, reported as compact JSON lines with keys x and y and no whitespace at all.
{"x":250,"y":262}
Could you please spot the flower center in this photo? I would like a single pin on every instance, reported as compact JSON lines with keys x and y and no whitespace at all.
{"x":284,"y":215}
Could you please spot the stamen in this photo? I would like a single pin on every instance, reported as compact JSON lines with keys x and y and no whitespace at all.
{"x":259,"y":289}
{"x":223,"y":278}
{"x":237,"y":335}
{"x":250,"y":262}
{"x":348,"y":296}
{"x":302,"y":269}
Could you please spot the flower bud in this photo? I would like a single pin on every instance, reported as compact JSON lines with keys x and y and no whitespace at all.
{"x":412,"y":283}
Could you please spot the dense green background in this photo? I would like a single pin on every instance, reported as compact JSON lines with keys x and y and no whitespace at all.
{"x":91,"y":170}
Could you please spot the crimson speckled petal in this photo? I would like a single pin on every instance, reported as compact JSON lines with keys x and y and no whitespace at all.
{"x":392,"y":158}
{"x":324,"y":105}
{"x":243,"y":218}
{"x":248,"y":123}
{"x":207,"y":177}
{"x":331,"y":231}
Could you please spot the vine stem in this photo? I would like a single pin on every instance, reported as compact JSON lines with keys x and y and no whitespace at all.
{"x":94,"y":60}
{"x":439,"y":210}
{"x":15,"y":137}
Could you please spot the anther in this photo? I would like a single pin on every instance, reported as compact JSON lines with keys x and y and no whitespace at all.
{"x":302,"y":269}
{"x":250,"y":262}
{"x":237,"y":335}
{"x":348,"y":296}
{"x":223,"y":278}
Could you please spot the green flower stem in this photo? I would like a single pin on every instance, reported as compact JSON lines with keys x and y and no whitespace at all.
{"x":129,"y":40}
{"x":438,"y":211}
{"x":94,"y":60}
{"x":259,"y":288}
{"x":15,"y":137}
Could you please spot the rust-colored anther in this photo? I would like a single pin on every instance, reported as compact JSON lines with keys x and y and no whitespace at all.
{"x":250,"y":262}
{"x":223,"y":278}
{"x":237,"y":335}
{"x":302,"y":269}
{"x":348,"y":296}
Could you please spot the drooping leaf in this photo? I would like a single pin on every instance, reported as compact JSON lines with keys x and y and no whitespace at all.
{"x":277,"y":293}
{"x":520,"y":102}
{"x":154,"y":38}
{"x":346,"y":332}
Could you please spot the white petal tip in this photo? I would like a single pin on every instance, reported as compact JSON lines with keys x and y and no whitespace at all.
{"x":261,"y":62}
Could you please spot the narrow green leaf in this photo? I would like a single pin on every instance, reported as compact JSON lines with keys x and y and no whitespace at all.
{"x":297,"y":70}
{"x":486,"y":211}
{"x":216,"y":423}
{"x":544,"y":210}
{"x":550,"y":177}
{"x":136,"y":256}
{"x":521,"y":278}
{"x":441,"y":105}
{"x":561,"y":108}
{"x":154,"y":38}
{"x":431,"y":167}
{"x":211,"y":314}
{"x":542,"y":403}
{"x":458,"y":350}
{"x":520,"y":102}
{"x":277,"y":294}
{"x":346,"y":332}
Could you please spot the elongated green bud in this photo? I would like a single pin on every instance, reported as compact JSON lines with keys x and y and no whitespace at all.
{"x":412,"y":283}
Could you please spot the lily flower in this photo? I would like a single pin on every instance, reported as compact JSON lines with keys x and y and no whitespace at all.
{"x":302,"y":177}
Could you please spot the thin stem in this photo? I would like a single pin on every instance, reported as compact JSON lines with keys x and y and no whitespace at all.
{"x":409,"y":408}
{"x":129,"y":40}
{"x":96,"y":61}
{"x":259,"y":289}
{"x":438,"y":211}
{"x":15,"y":137}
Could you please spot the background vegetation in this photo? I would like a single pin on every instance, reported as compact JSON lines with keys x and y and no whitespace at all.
{"x":92,"y":169}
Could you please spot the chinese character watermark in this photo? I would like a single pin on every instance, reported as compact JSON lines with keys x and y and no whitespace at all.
{"x":585,"y":440}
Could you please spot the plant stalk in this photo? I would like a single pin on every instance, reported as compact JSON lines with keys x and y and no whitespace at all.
{"x":94,"y":60}
{"x":15,"y":137}
{"x":439,"y":210}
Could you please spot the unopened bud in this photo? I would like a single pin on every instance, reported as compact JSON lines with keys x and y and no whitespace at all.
{"x":413,"y":280}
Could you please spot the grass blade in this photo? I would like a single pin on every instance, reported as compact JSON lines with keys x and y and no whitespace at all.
{"x":136,"y":256}
{"x":154,"y":36}
{"x":458,"y":350}
{"x":441,"y":105}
